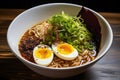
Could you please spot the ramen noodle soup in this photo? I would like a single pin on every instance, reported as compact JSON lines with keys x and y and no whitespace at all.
{"x":59,"y":42}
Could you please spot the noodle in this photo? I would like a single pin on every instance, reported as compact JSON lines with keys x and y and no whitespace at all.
{"x":81,"y":59}
{"x":40,"y":30}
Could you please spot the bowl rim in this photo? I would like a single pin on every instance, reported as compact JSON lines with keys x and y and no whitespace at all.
{"x":66,"y":68}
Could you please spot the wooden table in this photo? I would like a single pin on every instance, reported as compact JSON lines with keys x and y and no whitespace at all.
{"x":108,"y":68}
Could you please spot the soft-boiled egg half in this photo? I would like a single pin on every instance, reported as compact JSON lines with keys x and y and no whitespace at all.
{"x":43,"y":55}
{"x":65,"y":51}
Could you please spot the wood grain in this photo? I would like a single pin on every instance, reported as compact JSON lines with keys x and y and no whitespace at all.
{"x":108,"y":68}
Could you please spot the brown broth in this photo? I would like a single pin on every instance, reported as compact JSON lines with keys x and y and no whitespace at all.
{"x":27,"y":44}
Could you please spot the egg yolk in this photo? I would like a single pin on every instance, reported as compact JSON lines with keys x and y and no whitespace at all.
{"x":65,"y":48}
{"x":43,"y":53}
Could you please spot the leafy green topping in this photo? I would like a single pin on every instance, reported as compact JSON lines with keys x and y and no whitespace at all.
{"x":71,"y":30}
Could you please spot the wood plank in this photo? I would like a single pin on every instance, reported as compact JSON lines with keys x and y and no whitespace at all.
{"x":6,"y":55}
{"x":4,"y":24}
{"x":9,"y":14}
{"x":112,"y":18}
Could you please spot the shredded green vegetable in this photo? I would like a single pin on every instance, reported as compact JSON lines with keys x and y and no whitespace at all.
{"x":71,"y":30}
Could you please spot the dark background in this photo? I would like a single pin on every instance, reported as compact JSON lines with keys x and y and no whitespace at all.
{"x":97,"y":5}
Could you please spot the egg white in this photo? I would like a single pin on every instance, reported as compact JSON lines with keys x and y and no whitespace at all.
{"x":69,"y":56}
{"x":43,"y":62}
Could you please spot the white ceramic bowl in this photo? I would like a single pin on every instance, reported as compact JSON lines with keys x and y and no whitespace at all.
{"x":42,"y":12}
